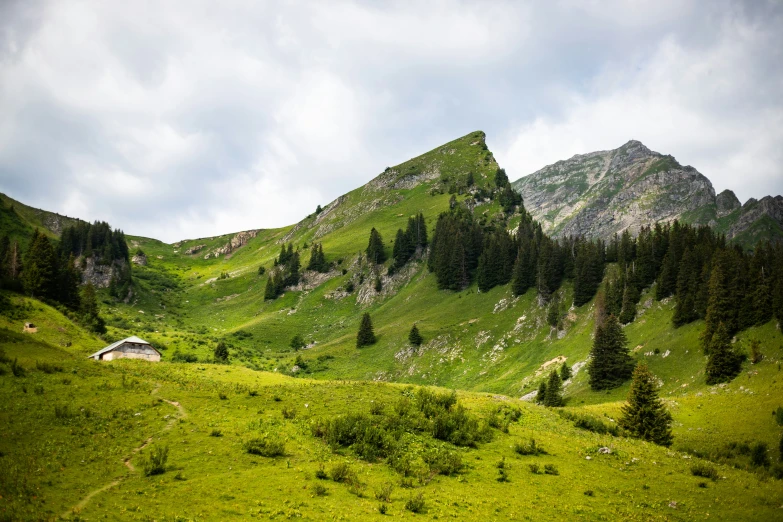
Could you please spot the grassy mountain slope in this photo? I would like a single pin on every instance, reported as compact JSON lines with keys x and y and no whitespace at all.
{"x":492,"y":346}
{"x":96,"y":423}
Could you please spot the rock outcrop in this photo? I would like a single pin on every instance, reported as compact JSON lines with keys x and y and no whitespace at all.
{"x":606,"y":192}
{"x":239,"y":240}
{"x":101,"y":275}
{"x":139,"y":259}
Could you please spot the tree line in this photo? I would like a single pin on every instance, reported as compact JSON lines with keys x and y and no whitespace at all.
{"x":50,"y":272}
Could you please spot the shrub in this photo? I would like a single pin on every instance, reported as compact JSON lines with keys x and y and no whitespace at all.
{"x":155,"y":463}
{"x":216,"y":433}
{"x":17,"y":369}
{"x":319,"y":489}
{"x":529,"y":448}
{"x":376,"y":408}
{"x":321,"y":474}
{"x":47,"y":367}
{"x":589,"y":493}
{"x":758,"y":455}
{"x":266,"y":446}
{"x":342,"y":472}
{"x":384,"y":494}
{"x":288,"y":413}
{"x":589,"y":423}
{"x":535,"y":469}
{"x":62,"y":412}
{"x":178,"y":356}
{"x":222,"y":396}
{"x":778,"y":415}
{"x":416,"y":504}
{"x":444,"y":462}
{"x":382,"y":509}
{"x":704,"y":470}
{"x":551,"y":469}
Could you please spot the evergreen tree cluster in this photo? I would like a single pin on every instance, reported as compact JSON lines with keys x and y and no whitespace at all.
{"x":49,"y":273}
{"x":96,"y":240}
{"x":407,"y":242}
{"x":550,"y":391}
{"x":285,"y":272}
{"x":463,"y":250}
{"x":317,"y":259}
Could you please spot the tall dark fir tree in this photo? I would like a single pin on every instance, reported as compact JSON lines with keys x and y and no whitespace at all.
{"x":645,"y":416}
{"x":610,"y":364}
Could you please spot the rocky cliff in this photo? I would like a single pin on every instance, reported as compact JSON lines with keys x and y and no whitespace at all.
{"x":603,"y":193}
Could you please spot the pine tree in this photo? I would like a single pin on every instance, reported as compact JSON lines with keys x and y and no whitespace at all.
{"x":40,"y":275}
{"x":89,"y":310}
{"x":645,"y":416}
{"x":414,"y":337}
{"x":565,"y":372}
{"x":501,"y":179}
{"x":366,"y":335}
{"x":375,"y":250}
{"x":221,"y":352}
{"x":723,"y":363}
{"x":69,"y":279}
{"x":541,"y":395}
{"x":610,"y":364}
{"x":297,"y":342}
{"x":553,"y":312}
{"x":554,"y":391}
{"x":721,"y":303}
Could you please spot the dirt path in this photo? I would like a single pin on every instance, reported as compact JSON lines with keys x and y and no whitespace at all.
{"x":181,"y":414}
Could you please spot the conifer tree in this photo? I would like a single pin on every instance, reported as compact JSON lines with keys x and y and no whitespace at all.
{"x":501,"y":179}
{"x":366,"y":335}
{"x":721,"y":303}
{"x":40,"y":275}
{"x":69,"y":279}
{"x":723,"y":363}
{"x":553,"y":312}
{"x":541,"y":395}
{"x":375,"y":250}
{"x":553,"y":397}
{"x":565,"y":372}
{"x":645,"y":416}
{"x":221,"y":352}
{"x":89,"y":310}
{"x":414,"y":337}
{"x":610,"y":364}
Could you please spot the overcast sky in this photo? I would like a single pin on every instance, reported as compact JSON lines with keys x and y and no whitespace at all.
{"x":183,"y":119}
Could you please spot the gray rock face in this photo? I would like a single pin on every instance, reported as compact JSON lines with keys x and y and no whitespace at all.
{"x":726,"y":202}
{"x":100,"y":275}
{"x":606,"y":192}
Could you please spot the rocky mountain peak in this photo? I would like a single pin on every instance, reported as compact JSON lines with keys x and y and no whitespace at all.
{"x":726,"y":203}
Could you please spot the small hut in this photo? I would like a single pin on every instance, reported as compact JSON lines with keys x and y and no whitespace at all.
{"x":29,"y":328}
{"x":130,"y":348}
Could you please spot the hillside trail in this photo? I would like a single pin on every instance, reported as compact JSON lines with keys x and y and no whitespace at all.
{"x":181,"y":414}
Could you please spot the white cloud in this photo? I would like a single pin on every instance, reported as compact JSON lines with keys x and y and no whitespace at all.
{"x":186,"y":119}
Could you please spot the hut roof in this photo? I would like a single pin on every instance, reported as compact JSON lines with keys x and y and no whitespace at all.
{"x":132,"y":339}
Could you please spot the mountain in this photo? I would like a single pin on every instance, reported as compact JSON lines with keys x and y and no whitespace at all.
{"x":603,"y":193}
{"x":257,"y":436}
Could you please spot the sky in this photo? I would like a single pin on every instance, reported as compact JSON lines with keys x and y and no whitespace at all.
{"x":192,"y":118}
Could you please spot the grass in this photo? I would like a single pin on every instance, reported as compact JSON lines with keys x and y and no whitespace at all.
{"x":248,"y":435}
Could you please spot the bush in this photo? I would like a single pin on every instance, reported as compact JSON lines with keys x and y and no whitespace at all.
{"x":444,"y":462}
{"x":47,"y":367}
{"x":778,"y":416}
{"x":216,"y":433}
{"x":384,"y":494}
{"x":551,"y":469}
{"x":589,"y":423}
{"x":320,"y":474}
{"x":178,"y":356}
{"x":529,"y":448}
{"x":535,"y":469}
{"x":376,"y":408}
{"x":342,"y":472}
{"x":319,"y":490}
{"x":758,"y":455}
{"x":266,"y":446}
{"x":700,"y":469}
{"x":17,"y":369}
{"x":62,"y":412}
{"x":288,"y":413}
{"x":155,"y":463}
{"x":416,"y":504}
